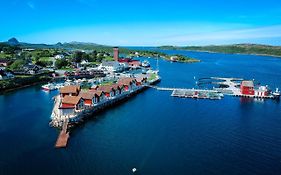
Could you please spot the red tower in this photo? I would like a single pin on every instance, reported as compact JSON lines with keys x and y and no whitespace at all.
{"x":116,"y":53}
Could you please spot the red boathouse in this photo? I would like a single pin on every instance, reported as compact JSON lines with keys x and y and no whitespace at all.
{"x":247,"y":88}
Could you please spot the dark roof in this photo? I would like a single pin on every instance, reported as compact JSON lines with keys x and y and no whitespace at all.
{"x":4,"y":61}
{"x":109,"y":63}
{"x":32,"y":66}
{"x":2,"y":72}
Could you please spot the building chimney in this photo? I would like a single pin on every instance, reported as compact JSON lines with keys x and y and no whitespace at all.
{"x":116,"y":53}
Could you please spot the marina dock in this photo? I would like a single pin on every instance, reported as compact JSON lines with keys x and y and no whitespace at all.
{"x":192,"y":93}
{"x":197,"y":94}
{"x":61,"y":119}
{"x":63,"y":136}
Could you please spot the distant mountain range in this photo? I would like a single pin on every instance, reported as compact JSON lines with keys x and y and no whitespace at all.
{"x":255,"y":49}
{"x":70,"y":45}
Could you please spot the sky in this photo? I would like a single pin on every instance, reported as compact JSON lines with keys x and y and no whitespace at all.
{"x":142,"y":22}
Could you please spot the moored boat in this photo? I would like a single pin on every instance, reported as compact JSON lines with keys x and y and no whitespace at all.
{"x":145,"y":64}
{"x":49,"y":87}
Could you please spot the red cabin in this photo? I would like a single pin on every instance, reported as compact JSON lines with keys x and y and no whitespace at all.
{"x":118,"y":89}
{"x":140,"y":80}
{"x":88,"y":98}
{"x":99,"y":95}
{"x":126,"y":83}
{"x":70,"y":90}
{"x":72,"y":102}
{"x":108,"y":90}
{"x":247,"y":88}
{"x":134,"y":63}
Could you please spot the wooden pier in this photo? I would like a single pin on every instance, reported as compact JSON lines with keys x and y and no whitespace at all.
{"x":255,"y":96}
{"x":193,"y":93}
{"x":180,"y":89}
{"x":63,"y":136}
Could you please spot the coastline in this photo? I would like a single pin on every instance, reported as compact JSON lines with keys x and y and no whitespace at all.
{"x":57,"y":119}
{"x":21,"y":87}
{"x":206,"y":51}
{"x":31,"y":81}
{"x":158,"y":54}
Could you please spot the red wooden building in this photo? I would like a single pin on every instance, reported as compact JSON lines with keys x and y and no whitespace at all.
{"x":74,"y":102}
{"x":108,"y":90}
{"x":70,"y":91}
{"x":88,"y":98}
{"x":118,"y":89}
{"x":140,"y":80}
{"x":134,"y":63}
{"x":99,"y":95}
{"x":247,"y":88}
{"x":127,"y":83}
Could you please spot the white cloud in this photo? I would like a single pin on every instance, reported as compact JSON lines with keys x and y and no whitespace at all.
{"x":248,"y":35}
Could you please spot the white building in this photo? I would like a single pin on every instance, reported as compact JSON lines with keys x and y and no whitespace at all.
{"x":111,"y":66}
{"x":59,"y":57}
{"x":174,"y":58}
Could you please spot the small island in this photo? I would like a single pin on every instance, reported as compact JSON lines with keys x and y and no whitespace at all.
{"x":156,"y":54}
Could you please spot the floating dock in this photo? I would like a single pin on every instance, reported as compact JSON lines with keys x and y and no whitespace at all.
{"x":63,"y":136}
{"x":254,"y":96}
{"x":198,"y":94}
{"x":191,"y":93}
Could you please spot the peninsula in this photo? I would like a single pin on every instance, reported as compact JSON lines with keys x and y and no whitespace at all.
{"x":157,"y":54}
{"x":254,"y":49}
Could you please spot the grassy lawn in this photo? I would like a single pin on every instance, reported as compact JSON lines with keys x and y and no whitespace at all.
{"x":106,"y":83}
{"x":152,"y":77}
{"x":3,"y":55}
{"x":45,"y":59}
{"x":23,"y":76}
{"x":109,"y":58}
{"x":94,"y":63}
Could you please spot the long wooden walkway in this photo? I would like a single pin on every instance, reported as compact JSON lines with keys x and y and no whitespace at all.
{"x":63,"y":136}
{"x":181,"y":89}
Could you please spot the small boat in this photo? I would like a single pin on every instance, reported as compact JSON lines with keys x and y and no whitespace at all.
{"x":276,"y":94}
{"x":49,"y":87}
{"x":134,"y":170}
{"x":145,"y":64}
{"x":59,"y":85}
{"x":68,"y":82}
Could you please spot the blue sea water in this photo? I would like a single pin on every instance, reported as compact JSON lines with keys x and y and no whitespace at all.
{"x":154,"y":132}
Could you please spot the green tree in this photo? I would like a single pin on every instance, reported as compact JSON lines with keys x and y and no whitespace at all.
{"x":93,"y":56}
{"x":61,"y":63}
{"x":85,"y":56}
{"x":77,"y":57}
{"x":17,"y":64}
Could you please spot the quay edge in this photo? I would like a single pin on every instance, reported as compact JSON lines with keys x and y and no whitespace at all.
{"x":58,"y":120}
